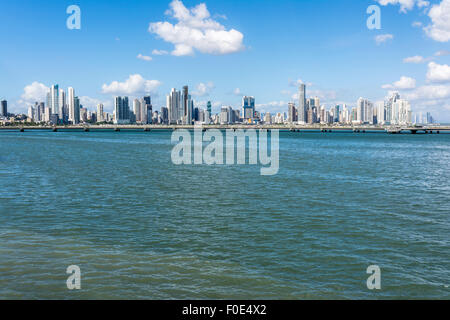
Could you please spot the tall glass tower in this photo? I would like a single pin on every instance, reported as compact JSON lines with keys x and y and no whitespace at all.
{"x":302,"y":112}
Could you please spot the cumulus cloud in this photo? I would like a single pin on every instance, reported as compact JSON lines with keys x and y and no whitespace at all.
{"x":404,"y":83}
{"x":135,"y":84}
{"x":35,"y":92}
{"x":203,"y":89}
{"x":382,"y":38}
{"x":405,"y":5}
{"x":438,"y":72}
{"x":145,"y":58}
{"x":91,"y":103}
{"x":195,"y":30}
{"x":429,"y":92}
{"x":439,"y":29}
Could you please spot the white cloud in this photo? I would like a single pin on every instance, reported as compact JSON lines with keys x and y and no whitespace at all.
{"x":438,"y":72}
{"x":91,"y":103}
{"x":405,"y":5}
{"x":439,"y":29}
{"x":415,"y":59}
{"x":417,"y":24}
{"x":203,"y":89}
{"x":429,"y":92}
{"x":442,"y":53}
{"x":404,"y":83}
{"x":157,"y":52}
{"x":382,"y":38}
{"x":195,"y":30}
{"x":145,"y":58}
{"x":35,"y":92}
{"x":135,"y":84}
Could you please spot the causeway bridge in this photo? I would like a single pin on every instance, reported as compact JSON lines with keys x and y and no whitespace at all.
{"x":433,"y":129}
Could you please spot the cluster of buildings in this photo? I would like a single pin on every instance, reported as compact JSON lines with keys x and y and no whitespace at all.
{"x":64,"y":107}
{"x":393,"y":111}
{"x":180,"y":109}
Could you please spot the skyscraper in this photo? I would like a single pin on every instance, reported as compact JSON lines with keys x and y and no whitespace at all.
{"x":71,"y":103}
{"x":209,"y":107}
{"x":164,"y":115}
{"x":302,"y":112}
{"x":187,"y":106}
{"x":248,"y":106}
{"x":121,"y":110}
{"x":360,"y":107}
{"x":291,"y":113}
{"x":173,"y":104}
{"x":100,"y":114}
{"x":62,"y":105}
{"x":389,"y":104}
{"x":401,"y":112}
{"x":76,"y":112}
{"x":53,"y":99}
{"x":3,"y":108}
{"x":380,"y":112}
{"x":147,"y":109}
{"x":137,"y":110}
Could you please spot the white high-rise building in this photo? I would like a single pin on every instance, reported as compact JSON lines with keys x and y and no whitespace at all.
{"x":389,"y":105}
{"x":346,"y":114}
{"x":31,"y":113}
{"x":364,"y":111}
{"x":53,"y":99}
{"x":279,"y":118}
{"x":401,"y":112}
{"x":74,"y":113}
{"x":47,"y":113}
{"x":380,"y":111}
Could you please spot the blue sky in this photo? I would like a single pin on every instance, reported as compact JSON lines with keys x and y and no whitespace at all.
{"x":273,"y":46}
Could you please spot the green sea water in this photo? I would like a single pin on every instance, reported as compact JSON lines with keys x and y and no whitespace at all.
{"x":140,"y":227}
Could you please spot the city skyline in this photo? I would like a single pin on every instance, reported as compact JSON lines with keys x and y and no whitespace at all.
{"x":180,"y":109}
{"x":338,"y":66}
